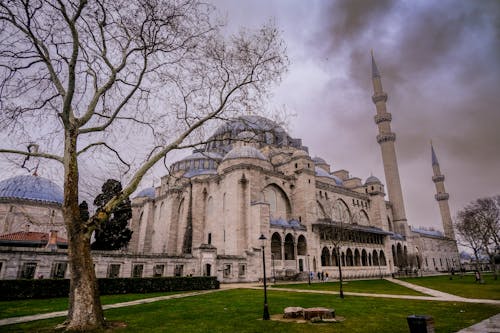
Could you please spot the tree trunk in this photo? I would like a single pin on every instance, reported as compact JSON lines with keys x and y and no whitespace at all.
{"x":85,"y":310}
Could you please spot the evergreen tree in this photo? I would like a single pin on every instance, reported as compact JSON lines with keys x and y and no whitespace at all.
{"x":114,"y":233}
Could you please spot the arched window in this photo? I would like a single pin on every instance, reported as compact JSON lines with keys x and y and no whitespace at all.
{"x":301,"y":246}
{"x":276,"y":246}
{"x":289,"y":247}
{"x":357,"y":258}
{"x":325,"y":257}
{"x":343,"y":259}
{"x":349,"y":258}
{"x":375,"y":258}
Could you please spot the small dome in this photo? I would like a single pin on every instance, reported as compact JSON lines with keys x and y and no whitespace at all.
{"x":245,"y":152}
{"x":372,"y":180}
{"x":322,"y":173}
{"x":148,"y":192}
{"x":30,"y":187}
{"x":300,"y":153}
{"x":318,"y":160}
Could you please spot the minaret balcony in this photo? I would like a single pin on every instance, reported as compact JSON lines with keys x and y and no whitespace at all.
{"x":438,"y":178}
{"x":379,"y":118}
{"x":385,"y":137}
{"x":379,"y":97}
{"x":442,"y":196}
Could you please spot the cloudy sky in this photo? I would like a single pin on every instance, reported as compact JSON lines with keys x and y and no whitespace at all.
{"x":440,"y":65}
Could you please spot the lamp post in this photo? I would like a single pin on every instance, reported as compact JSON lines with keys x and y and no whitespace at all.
{"x":308,"y":271}
{"x":265,"y":316}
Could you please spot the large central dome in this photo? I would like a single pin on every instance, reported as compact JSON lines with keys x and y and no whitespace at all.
{"x":266,"y":132}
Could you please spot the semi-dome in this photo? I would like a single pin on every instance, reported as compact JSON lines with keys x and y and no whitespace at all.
{"x":322,"y":173}
{"x":244,"y":152}
{"x":148,"y":192}
{"x":30,"y":187}
{"x":372,"y":180}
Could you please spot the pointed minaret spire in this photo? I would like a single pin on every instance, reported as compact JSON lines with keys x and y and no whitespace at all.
{"x":434,"y":157}
{"x":386,"y":139}
{"x":375,"y":72}
{"x":442,"y":197}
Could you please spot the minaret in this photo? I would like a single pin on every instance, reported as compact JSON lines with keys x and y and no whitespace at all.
{"x":442,"y":197}
{"x":386,"y":139}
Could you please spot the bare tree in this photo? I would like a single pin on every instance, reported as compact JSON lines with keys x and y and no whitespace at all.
{"x":122,"y":83}
{"x":478,"y":226}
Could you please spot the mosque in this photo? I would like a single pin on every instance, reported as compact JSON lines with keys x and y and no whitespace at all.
{"x":251,"y":188}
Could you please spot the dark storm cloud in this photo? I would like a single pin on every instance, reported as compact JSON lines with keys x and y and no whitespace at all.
{"x":440,"y":64}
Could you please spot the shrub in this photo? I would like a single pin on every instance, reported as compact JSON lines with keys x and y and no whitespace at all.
{"x":49,"y":288}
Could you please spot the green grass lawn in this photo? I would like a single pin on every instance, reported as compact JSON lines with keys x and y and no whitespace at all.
{"x":29,"y":307}
{"x":465,"y":286}
{"x":356,"y":286}
{"x":241,"y":311}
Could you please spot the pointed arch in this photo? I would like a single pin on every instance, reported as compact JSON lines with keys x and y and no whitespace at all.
{"x":357,"y":258}
{"x":289,"y":247}
{"x":279,"y":203}
{"x":349,"y":258}
{"x":325,"y":257}
{"x":363,"y":218}
{"x":382,"y":258}
{"x":301,"y":246}
{"x":375,"y":258}
{"x":341,"y":212}
{"x":276,"y":246}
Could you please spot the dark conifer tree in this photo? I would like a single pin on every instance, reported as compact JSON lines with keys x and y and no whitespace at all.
{"x":114,"y":233}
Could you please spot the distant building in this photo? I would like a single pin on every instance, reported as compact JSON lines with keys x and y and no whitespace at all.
{"x":251,"y":178}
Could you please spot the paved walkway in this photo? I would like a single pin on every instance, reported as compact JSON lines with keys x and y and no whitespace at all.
{"x":490,"y":325}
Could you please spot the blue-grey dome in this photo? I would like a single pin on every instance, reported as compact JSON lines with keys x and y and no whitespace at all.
{"x":372,"y":180}
{"x":318,"y":160}
{"x":322,"y":173}
{"x":245,"y":152}
{"x":148,"y":192}
{"x":30,"y":187}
